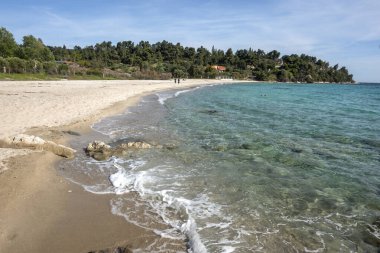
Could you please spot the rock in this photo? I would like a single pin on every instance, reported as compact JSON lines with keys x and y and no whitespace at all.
{"x":169,"y":146}
{"x":35,"y":142}
{"x":136,"y":144}
{"x":296,"y":150}
{"x":25,"y":140}
{"x":59,"y":149}
{"x":371,"y":234}
{"x":99,"y":150}
{"x":220,"y":148}
{"x":246,"y":146}
{"x":98,"y":146}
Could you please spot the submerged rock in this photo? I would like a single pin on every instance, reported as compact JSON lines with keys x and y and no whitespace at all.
{"x":136,"y":144}
{"x":101,"y":151}
{"x":169,"y":146}
{"x":296,"y":150}
{"x":372,"y":234}
{"x":210,"y":112}
{"x":246,"y":146}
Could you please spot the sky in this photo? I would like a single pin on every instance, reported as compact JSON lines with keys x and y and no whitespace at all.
{"x":346,"y":32}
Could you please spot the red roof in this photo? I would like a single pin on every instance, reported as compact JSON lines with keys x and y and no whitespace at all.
{"x":220,"y":68}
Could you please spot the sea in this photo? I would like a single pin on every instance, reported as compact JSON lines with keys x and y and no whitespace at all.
{"x":249,"y":167}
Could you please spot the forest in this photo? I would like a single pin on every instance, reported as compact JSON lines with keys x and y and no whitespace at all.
{"x":162,"y":60}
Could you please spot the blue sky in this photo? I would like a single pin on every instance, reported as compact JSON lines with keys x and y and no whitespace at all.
{"x":339,"y":31}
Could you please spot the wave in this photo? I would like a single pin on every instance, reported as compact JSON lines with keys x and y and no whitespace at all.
{"x":157,"y":206}
{"x":174,"y":211}
{"x":163,"y":96}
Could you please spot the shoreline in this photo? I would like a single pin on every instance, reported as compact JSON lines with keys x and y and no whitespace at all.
{"x":62,"y":215}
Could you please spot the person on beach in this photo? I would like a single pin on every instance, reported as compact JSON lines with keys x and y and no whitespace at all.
{"x":179,"y":80}
{"x":175,"y":80}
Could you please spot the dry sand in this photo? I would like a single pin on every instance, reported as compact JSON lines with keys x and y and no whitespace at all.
{"x":40,"y":211}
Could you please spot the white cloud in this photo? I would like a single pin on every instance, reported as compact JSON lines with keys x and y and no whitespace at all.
{"x":330,"y":29}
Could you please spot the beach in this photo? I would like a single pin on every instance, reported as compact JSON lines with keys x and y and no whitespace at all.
{"x":41,"y":211}
{"x":248,"y":167}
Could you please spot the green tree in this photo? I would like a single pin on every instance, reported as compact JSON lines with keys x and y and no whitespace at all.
{"x":211,"y":72}
{"x":179,"y":71}
{"x":34,"y":49}
{"x":196,"y":71}
{"x":229,"y":58}
{"x":8,"y":45}
{"x":284,"y":76}
{"x":274,"y":55}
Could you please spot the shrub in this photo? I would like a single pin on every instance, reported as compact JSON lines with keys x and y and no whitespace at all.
{"x":17,"y":65}
{"x":63,"y":69}
{"x":50,"y":67}
{"x":34,"y":66}
{"x":4,"y":65}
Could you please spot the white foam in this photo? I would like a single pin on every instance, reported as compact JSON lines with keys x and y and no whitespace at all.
{"x":173,"y":210}
{"x":221,"y":225}
{"x":228,"y":249}
{"x":190,"y":230}
{"x":162,"y":97}
{"x":168,"y":234}
{"x":134,"y":164}
{"x":185,"y":91}
{"x":100,"y":189}
{"x":120,"y":181}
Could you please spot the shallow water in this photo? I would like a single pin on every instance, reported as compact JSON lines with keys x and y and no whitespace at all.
{"x":251,"y":168}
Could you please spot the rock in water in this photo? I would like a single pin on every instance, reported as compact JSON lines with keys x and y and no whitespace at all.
{"x":136,"y":144}
{"x":371,"y":235}
{"x":99,"y":150}
{"x":98,"y":146}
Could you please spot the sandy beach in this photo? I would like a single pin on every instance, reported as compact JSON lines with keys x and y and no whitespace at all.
{"x":42,"y":211}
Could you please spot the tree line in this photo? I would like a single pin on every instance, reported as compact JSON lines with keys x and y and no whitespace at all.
{"x":162,"y":60}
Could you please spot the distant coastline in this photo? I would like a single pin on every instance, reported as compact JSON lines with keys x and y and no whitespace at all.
{"x":32,"y":59}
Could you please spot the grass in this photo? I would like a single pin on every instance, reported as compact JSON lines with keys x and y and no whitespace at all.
{"x":20,"y":77}
{"x":43,"y":76}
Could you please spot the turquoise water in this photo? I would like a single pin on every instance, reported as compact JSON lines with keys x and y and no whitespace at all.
{"x":253,"y":167}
